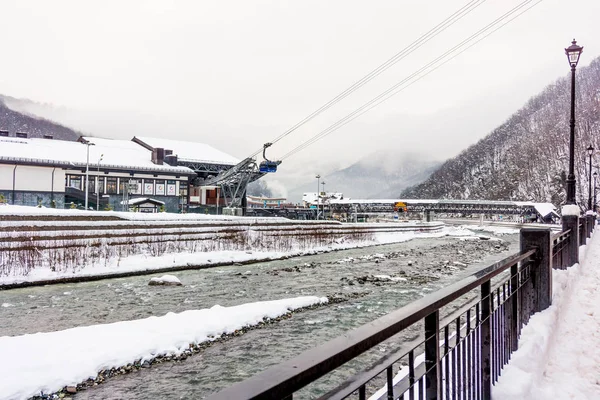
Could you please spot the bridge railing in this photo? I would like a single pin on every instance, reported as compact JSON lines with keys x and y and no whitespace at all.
{"x":468,"y":332}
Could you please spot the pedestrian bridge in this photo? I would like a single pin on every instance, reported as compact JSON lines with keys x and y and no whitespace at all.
{"x":461,"y":339}
{"x":526,"y":210}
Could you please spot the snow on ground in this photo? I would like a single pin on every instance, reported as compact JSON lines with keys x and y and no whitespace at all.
{"x":496,"y":230}
{"x":559,"y":349}
{"x":46,"y":362}
{"x":132,"y":216}
{"x":177,"y":260}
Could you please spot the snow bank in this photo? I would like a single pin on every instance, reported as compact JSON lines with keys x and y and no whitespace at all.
{"x":496,"y":230}
{"x":46,"y":362}
{"x":559,"y":352}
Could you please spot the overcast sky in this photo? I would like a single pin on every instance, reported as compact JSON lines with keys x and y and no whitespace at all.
{"x":235,"y":74}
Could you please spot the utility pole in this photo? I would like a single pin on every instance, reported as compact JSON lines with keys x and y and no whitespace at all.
{"x":323,"y":183}
{"x":98,"y":185}
{"x":318,"y":196}
{"x":87,"y":172}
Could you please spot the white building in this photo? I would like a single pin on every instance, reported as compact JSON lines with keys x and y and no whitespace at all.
{"x":53,"y":172}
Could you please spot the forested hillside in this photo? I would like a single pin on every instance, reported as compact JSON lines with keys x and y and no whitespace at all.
{"x":526,"y":158}
{"x":35,"y":127}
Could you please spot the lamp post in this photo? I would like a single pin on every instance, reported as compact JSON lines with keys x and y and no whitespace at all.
{"x":98,"y":185}
{"x":595,"y":179}
{"x":323,"y":183}
{"x":573,"y":52}
{"x":87,"y":172}
{"x":318,"y":177}
{"x":590,"y":151}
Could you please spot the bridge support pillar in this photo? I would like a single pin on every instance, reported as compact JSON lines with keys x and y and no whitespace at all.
{"x":541,"y":275}
{"x":572,"y":250}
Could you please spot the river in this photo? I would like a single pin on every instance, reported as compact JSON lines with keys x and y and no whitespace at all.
{"x":426,"y":264}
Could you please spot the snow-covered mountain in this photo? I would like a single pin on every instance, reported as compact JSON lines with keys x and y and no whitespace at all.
{"x":380,"y":175}
{"x":526,"y":158}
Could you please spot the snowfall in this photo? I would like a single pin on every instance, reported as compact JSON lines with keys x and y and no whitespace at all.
{"x":46,"y":362}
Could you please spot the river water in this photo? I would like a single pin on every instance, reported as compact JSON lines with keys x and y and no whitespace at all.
{"x":427,"y":265}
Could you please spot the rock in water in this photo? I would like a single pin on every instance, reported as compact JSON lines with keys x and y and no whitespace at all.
{"x":71,"y":389}
{"x":166,"y":280}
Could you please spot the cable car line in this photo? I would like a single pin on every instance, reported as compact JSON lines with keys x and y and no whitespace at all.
{"x":406,"y":81}
{"x":423,"y":39}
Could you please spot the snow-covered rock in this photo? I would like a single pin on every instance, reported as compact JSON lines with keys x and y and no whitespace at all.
{"x":167,"y":280}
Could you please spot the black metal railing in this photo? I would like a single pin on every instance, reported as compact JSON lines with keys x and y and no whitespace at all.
{"x":560,"y":242}
{"x":459,"y":356}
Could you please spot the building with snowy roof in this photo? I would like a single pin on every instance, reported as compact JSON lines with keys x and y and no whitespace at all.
{"x":204,"y":160}
{"x":52,"y":173}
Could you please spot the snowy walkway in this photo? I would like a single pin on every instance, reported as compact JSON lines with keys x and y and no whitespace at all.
{"x":559,"y":350}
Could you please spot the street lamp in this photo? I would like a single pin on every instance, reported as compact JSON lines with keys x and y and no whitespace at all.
{"x":590,"y":151}
{"x":573,"y":52}
{"x":98,"y":184}
{"x":318,"y":177}
{"x":87,"y":172}
{"x":595,"y":179}
{"x":323,"y":183}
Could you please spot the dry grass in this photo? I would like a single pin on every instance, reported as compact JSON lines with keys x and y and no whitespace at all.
{"x":19,"y":255}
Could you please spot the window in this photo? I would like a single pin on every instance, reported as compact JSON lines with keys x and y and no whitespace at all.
{"x":111,"y":185}
{"x":183,"y":189}
{"x":171,"y":191}
{"x":3,"y":133}
{"x":22,"y":135}
{"x":135,"y":186}
{"x":149,"y":186}
{"x":75,"y":181}
{"x":160,"y":188}
{"x":101,"y":184}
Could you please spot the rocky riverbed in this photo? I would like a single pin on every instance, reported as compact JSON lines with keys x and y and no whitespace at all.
{"x":391,"y":276}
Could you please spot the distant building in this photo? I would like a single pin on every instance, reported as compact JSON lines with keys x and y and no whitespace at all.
{"x":266,"y":202}
{"x":144,"y":204}
{"x":312,"y":198}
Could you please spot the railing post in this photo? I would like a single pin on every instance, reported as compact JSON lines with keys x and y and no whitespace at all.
{"x":432,"y":356}
{"x":541,"y":274}
{"x":514,"y":304}
{"x":572,"y":248}
{"x":486,"y":353}
{"x":583,"y":231}
{"x":590,"y":224}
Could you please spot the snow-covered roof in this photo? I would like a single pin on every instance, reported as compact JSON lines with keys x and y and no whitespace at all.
{"x":189,"y":151}
{"x":140,"y":200}
{"x":115,"y":154}
{"x":544,"y":209}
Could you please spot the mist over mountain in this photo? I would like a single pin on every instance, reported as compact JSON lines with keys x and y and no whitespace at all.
{"x":15,"y":121}
{"x":383,"y":174}
{"x":526,"y":158}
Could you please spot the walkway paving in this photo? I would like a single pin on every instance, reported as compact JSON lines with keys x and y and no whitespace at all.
{"x":559,"y":350}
